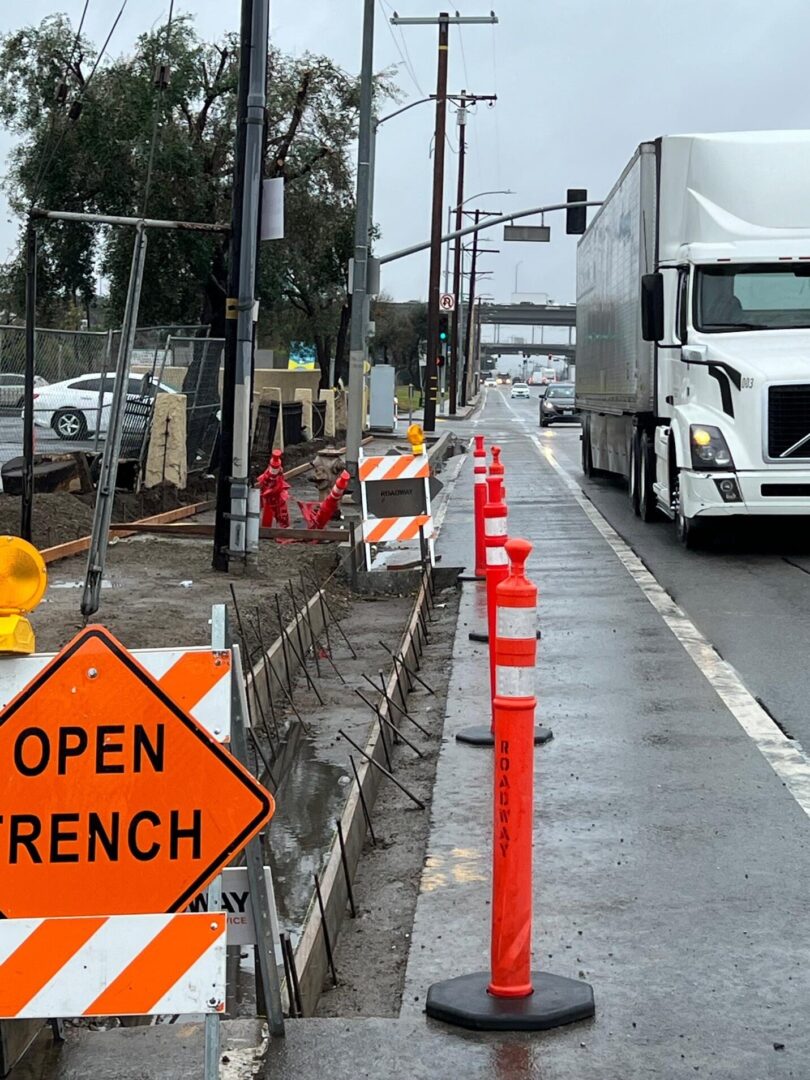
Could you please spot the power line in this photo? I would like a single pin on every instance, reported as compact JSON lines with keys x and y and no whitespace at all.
{"x":405,"y":56}
{"x":463,"y":57}
{"x":75,"y":108}
{"x":61,"y":94}
{"x":497,"y":122}
{"x":161,"y":85}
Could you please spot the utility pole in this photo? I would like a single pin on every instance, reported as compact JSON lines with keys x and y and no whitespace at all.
{"x":358,"y":329}
{"x":432,"y":369}
{"x":230,"y":526}
{"x":470,"y":313}
{"x":434,"y":276}
{"x":27,"y":501}
{"x":454,"y":331}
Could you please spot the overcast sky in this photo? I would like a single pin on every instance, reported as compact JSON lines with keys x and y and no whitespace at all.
{"x":579,"y":82}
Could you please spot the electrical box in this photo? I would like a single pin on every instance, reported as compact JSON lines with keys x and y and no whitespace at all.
{"x":382,"y":394}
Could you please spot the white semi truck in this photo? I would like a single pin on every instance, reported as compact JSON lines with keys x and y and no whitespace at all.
{"x":693,"y":328}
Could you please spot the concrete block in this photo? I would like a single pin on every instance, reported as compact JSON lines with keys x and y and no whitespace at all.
{"x":329,"y":427}
{"x":166,"y":459}
{"x":304,"y":395}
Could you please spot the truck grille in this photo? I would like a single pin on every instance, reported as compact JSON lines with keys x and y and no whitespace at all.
{"x":788,"y":420}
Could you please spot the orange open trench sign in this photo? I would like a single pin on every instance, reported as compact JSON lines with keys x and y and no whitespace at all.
{"x":113,"y":800}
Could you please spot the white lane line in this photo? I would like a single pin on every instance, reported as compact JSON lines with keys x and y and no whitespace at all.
{"x":785,"y":756}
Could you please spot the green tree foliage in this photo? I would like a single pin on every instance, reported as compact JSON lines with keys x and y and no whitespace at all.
{"x":400,"y":330}
{"x":101,"y":160}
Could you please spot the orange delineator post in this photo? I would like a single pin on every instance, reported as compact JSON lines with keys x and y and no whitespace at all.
{"x":497,"y":564}
{"x":510,"y":996}
{"x":496,"y":467}
{"x":480,"y":498}
{"x":514,"y":645}
{"x":326,"y":511}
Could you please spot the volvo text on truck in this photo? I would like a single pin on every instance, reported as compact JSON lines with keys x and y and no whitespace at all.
{"x":693,"y":329}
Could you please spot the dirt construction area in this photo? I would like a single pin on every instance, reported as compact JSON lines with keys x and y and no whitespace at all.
{"x":159,"y":592}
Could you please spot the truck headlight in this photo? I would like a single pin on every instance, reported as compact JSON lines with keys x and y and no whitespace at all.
{"x":709,"y":448}
{"x":548,"y":405}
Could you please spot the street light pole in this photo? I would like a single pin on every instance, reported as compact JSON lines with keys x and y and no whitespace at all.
{"x":470,"y":313}
{"x":358,"y":331}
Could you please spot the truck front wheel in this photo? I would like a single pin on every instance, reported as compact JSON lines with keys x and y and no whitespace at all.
{"x":689,"y":530}
{"x":633,"y":479}
{"x":647,"y":504}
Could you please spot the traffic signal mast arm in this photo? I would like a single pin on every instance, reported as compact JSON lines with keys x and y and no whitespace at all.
{"x":487,"y":223}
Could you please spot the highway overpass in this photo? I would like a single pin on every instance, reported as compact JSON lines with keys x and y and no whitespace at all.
{"x":528,"y":314}
{"x":504,"y":348}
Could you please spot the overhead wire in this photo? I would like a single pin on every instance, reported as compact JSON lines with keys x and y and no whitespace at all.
{"x":463,"y":57}
{"x":404,"y":56}
{"x":60,"y":98}
{"x":156,"y":117}
{"x":498,"y":172}
{"x":75,"y":109}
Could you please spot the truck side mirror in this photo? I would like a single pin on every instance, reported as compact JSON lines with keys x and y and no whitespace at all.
{"x":652,"y":307}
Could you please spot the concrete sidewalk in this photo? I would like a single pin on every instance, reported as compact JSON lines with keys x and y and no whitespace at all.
{"x":670,"y":861}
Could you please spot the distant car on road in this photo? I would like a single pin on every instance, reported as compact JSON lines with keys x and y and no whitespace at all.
{"x":557,"y":405}
{"x":11,"y":389}
{"x":490,"y":382}
{"x":76,"y":407}
{"x":520,"y":390}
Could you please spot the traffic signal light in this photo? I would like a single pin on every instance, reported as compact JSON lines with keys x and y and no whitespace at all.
{"x":576,"y":217}
{"x":444,"y":329}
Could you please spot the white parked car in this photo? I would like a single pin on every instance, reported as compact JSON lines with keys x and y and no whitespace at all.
{"x":520,"y":390}
{"x":77,"y":407}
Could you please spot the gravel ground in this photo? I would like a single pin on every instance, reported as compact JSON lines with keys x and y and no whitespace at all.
{"x":372,"y":950}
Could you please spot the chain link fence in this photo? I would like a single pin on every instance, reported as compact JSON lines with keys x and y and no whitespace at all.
{"x":75,"y":378}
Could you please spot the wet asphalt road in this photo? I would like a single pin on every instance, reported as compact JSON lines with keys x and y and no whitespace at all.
{"x":748,"y":591}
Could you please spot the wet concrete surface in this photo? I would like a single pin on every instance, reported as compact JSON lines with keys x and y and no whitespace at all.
{"x":670,"y":862}
{"x":169,"y":1051}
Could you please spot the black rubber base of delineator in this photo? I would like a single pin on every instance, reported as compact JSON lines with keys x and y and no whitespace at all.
{"x":480,"y":735}
{"x":466,"y":1003}
{"x":475,"y":635}
{"x":471,"y":577}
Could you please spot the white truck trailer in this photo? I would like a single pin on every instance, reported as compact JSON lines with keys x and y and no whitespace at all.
{"x":693,"y":328}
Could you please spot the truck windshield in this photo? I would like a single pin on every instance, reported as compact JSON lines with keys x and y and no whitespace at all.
{"x":752,"y":297}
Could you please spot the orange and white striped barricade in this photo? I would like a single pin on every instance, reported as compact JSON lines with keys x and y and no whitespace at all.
{"x":125,"y":806}
{"x":395,"y":496}
{"x":112,"y":965}
{"x":510,"y":996}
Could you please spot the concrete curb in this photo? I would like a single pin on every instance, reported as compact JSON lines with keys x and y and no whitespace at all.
{"x":310,"y":955}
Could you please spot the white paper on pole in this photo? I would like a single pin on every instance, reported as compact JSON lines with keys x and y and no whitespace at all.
{"x":273,"y":209}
